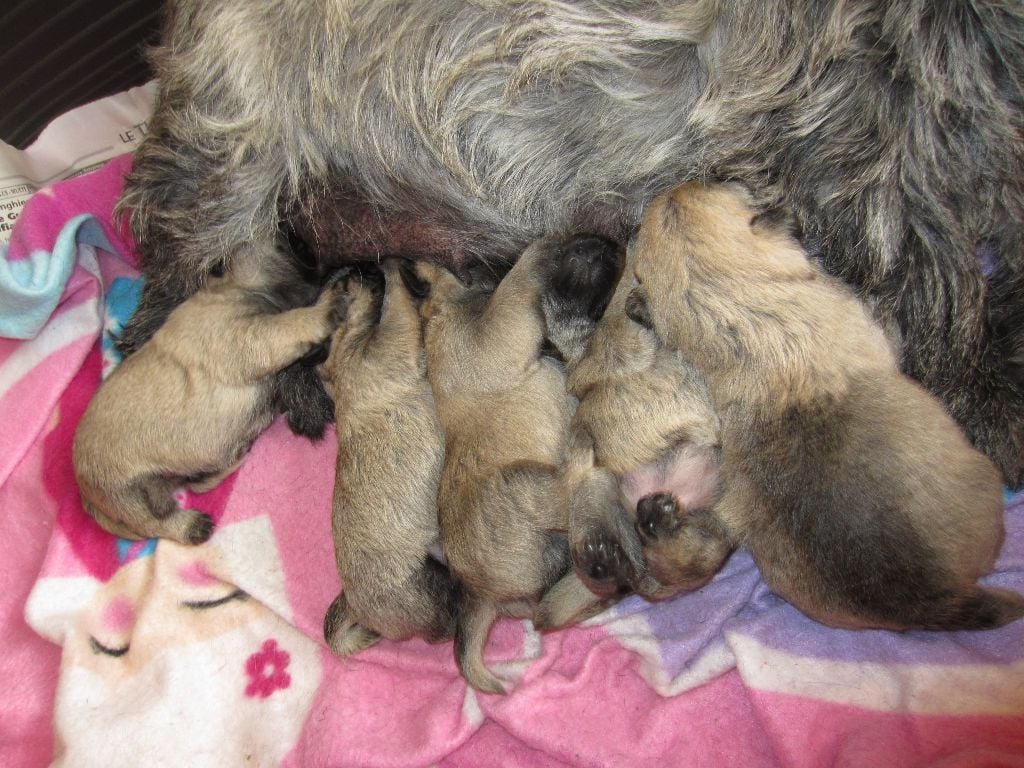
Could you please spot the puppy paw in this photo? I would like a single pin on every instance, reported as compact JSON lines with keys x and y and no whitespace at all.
{"x":602,"y":564}
{"x":657,"y":516}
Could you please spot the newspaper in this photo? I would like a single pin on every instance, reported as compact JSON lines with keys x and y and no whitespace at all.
{"x":74,"y":143}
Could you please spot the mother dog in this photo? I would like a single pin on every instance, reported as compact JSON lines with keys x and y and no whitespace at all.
{"x":460,"y":130}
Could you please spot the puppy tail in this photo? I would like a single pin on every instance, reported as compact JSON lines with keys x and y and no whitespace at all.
{"x":978,"y":608}
{"x":342,"y":633}
{"x":476,"y":615}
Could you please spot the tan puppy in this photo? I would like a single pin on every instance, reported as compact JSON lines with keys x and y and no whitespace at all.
{"x":644,"y":426}
{"x":185,"y":408}
{"x":390,"y":453}
{"x":858,"y":496}
{"x":505,"y":414}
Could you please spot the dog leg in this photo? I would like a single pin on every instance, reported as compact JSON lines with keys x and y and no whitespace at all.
{"x":995,"y":421}
{"x":278,"y":340}
{"x":182,"y":165}
{"x":304,"y":401}
{"x":147,"y":510}
{"x":569,"y":601}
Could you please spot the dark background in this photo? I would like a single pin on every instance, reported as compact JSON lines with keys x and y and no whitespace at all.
{"x":55,"y":56}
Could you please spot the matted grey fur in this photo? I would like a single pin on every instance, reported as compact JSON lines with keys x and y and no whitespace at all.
{"x":463,"y":129}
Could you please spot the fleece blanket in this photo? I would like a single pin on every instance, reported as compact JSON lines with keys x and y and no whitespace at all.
{"x":120,"y":653}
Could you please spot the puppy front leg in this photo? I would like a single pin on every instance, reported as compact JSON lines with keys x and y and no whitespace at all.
{"x":278,"y":340}
{"x":357,"y":314}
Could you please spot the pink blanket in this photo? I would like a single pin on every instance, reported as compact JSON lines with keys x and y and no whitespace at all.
{"x":129,"y":653}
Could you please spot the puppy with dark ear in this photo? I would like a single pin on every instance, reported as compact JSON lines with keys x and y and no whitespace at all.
{"x":505,"y":412}
{"x":860,"y":499}
{"x":390,"y":453}
{"x":644,"y":430}
{"x":185,"y":408}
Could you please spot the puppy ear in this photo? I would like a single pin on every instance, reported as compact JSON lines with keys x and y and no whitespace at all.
{"x":417,"y":287}
{"x":777,"y":219}
{"x":637,"y":309}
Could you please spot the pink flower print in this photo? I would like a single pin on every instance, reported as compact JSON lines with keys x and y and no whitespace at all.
{"x":266,"y":670}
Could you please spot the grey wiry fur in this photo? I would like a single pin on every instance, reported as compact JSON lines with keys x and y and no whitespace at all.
{"x":469,"y":127}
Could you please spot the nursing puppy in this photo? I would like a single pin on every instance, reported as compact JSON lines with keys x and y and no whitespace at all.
{"x":644,"y":426}
{"x":390,"y":452}
{"x":505,"y":413}
{"x":861,"y":501}
{"x":186,"y":408}
{"x":462,"y":130}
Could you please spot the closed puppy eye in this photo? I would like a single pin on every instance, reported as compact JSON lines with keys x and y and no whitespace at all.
{"x":99,"y":647}
{"x":202,"y":605}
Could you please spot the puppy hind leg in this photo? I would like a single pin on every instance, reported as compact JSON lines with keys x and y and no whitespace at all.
{"x":110,"y":524}
{"x":147,"y":510}
{"x":568,"y":601}
{"x":476,"y":615}
{"x":187,"y":526}
{"x":343,"y":635}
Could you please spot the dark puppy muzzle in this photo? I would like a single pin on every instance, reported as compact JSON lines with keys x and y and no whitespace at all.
{"x":586,"y":271}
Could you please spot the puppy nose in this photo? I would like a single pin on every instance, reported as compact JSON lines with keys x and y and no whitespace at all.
{"x":587,"y":271}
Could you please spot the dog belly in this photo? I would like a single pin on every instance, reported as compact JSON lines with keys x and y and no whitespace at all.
{"x":346,"y":226}
{"x":690,"y":475}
